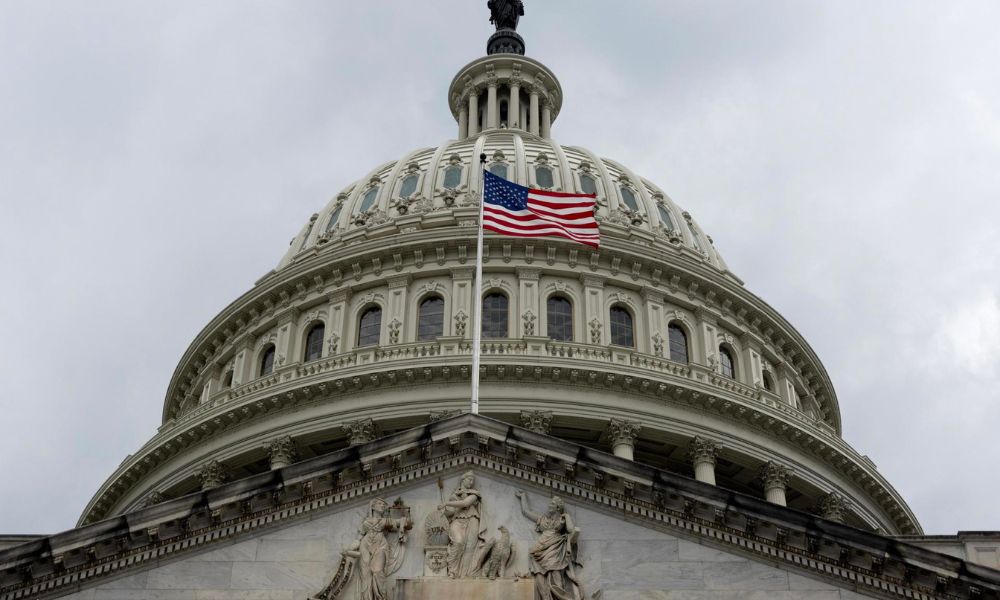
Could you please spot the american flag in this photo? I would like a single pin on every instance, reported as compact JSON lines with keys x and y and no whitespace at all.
{"x":513,"y":209}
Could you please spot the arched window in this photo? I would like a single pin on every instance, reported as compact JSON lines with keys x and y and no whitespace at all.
{"x":495,"y":316}
{"x":726,"y":363}
{"x":499,"y":169}
{"x":267,"y":360}
{"x":665,"y":219}
{"x":588,"y":184}
{"x":621,"y":327}
{"x":227,"y":381}
{"x":408,"y":186}
{"x":678,"y":343}
{"x":453,"y":176}
{"x":430,"y":323}
{"x":314,"y":342}
{"x":370,"y":327}
{"x":334,"y":218}
{"x":559,"y":318}
{"x":767,"y":381}
{"x":628,"y":197}
{"x":369,"y":200}
{"x":543,"y":176}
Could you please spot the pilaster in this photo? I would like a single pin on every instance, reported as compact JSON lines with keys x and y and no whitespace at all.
{"x":338,"y":321}
{"x":593,"y":306}
{"x":527,"y":281}
{"x":396,"y":313}
{"x":461,"y":300}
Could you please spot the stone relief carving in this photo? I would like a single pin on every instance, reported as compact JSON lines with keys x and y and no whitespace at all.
{"x":461,"y":320}
{"x":281,"y":451}
{"x":211,"y":475}
{"x":833,"y":507}
{"x":554,"y":558}
{"x":394,"y":331}
{"x":375,"y":556}
{"x":657,"y":344}
{"x":333,"y":343}
{"x":361,"y":431}
{"x":462,"y":511}
{"x":529,"y":322}
{"x":595,"y":331}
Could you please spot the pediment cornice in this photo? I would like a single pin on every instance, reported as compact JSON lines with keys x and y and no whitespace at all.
{"x":654,"y":498}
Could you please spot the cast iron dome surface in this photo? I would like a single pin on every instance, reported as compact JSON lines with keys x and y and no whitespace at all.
{"x":404,"y":234}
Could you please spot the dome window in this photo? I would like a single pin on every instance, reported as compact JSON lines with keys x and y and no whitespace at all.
{"x":726,"y":363}
{"x":499,"y":169}
{"x":622,"y":333}
{"x":369,"y":200}
{"x":453,"y":176}
{"x":408,"y":186}
{"x":332,"y":223}
{"x":430,"y":323}
{"x":227,"y":381}
{"x":767,"y":382}
{"x":588,"y":184}
{"x":314,"y":342}
{"x":559,"y":318}
{"x":370,"y":327}
{"x":628,"y":197}
{"x":678,"y":343}
{"x":665,"y":219}
{"x":495,"y":316}
{"x":543,"y":177}
{"x":267,"y":360}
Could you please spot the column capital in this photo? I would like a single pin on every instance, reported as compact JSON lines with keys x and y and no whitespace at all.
{"x":399,"y":281}
{"x":151,"y":499}
{"x":441,"y":415}
{"x":361,"y":431}
{"x":528,"y":274}
{"x":281,"y":451}
{"x":539,"y":421}
{"x":833,"y":507}
{"x":211,"y":474}
{"x":703,"y":450}
{"x":341,"y":295}
{"x":774,"y":476}
{"x":622,"y":431}
{"x":592,"y":280}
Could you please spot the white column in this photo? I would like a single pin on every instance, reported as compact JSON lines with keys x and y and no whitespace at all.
{"x":533,"y":122}
{"x":473,"y":112}
{"x":463,"y":122}
{"x":514,"y":105}
{"x":703,"y":453}
{"x":492,"y":105}
{"x":623,"y":435}
{"x":546,"y":120}
{"x":775,"y":478}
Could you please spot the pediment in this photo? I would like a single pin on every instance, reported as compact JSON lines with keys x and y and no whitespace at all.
{"x":641,"y":530}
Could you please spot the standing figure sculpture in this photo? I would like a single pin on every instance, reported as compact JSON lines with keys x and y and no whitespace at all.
{"x":463,"y":512}
{"x":553,"y":557}
{"x":373,"y":556}
{"x":505,"y":13}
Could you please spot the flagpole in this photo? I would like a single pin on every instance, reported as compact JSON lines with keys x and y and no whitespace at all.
{"x":477,"y":297}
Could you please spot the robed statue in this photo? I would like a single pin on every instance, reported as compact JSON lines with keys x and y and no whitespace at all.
{"x":505,"y":13}
{"x":554,"y":558}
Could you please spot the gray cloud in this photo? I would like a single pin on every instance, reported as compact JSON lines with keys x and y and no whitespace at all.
{"x":157,"y":157}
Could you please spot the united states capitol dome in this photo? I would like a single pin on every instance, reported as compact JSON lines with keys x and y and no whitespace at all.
{"x":648,"y":347}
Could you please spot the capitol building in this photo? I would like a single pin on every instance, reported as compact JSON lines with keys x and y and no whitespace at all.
{"x":648,"y":427}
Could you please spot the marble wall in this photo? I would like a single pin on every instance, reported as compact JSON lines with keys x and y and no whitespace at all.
{"x":621,"y":560}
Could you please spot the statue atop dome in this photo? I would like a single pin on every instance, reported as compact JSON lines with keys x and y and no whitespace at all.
{"x":505,"y":13}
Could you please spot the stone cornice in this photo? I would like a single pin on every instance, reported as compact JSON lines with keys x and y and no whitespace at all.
{"x":658,"y":499}
{"x":504,"y":360}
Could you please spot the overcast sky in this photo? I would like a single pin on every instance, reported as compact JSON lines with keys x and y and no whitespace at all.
{"x":156,"y":157}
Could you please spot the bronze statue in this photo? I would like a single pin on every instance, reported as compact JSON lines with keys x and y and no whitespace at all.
{"x":505,"y":13}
